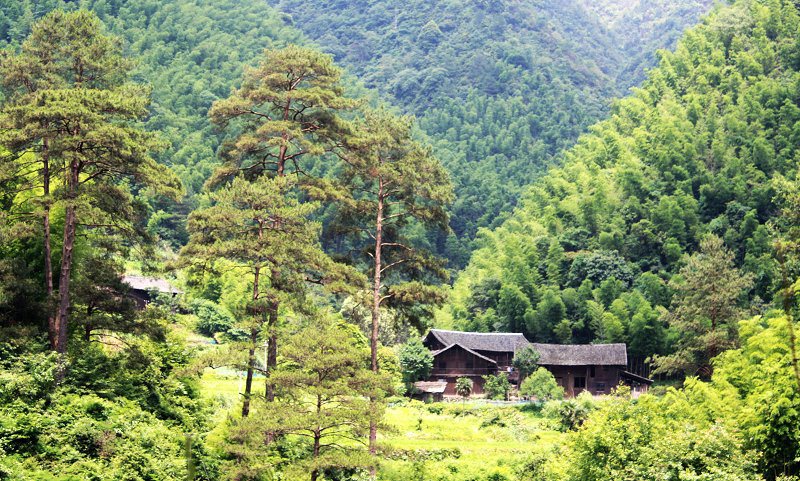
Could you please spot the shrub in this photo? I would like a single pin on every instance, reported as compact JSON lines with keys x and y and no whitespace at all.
{"x":211,"y":317}
{"x":571,"y":413}
{"x":464,"y":387}
{"x":496,"y":386}
{"x":542,"y":386}
{"x":526,"y":360}
{"x":416,"y":361}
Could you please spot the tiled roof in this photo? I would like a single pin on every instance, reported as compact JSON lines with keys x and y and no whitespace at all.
{"x":550,"y":354}
{"x":481,"y":341}
{"x":143,"y":283}
{"x":582,"y":354}
{"x":436,"y":353}
{"x":435,"y":387}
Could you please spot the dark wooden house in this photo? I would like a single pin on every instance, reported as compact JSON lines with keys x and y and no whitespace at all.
{"x":473,"y":355}
{"x":596,"y":368}
{"x":144,"y":288}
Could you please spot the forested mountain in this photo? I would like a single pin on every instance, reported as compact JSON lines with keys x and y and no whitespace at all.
{"x":500,"y":87}
{"x":705,"y":149}
{"x":298,"y":224}
{"x":641,"y":27}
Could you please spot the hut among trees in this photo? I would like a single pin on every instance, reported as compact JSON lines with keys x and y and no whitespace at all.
{"x":144,"y":289}
{"x":596,"y":368}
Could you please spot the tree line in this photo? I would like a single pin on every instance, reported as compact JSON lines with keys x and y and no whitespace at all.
{"x":77,"y":160}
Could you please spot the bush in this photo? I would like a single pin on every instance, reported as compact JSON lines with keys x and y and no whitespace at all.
{"x":542,"y":386}
{"x":464,"y":387}
{"x":211,"y":317}
{"x":570,"y":414}
{"x":526,"y":360}
{"x":496,"y":386}
{"x":416,"y":361}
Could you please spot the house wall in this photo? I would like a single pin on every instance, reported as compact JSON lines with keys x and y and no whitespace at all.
{"x":455,"y":363}
{"x":595,"y":379}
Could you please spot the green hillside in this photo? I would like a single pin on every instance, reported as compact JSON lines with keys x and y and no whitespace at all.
{"x":703,"y":148}
{"x":220,"y":246}
{"x":191,"y":53}
{"x":500,"y":87}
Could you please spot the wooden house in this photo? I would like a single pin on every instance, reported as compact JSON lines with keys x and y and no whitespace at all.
{"x":144,"y":288}
{"x":596,"y":368}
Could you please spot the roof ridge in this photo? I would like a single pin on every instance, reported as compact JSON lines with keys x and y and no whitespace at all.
{"x":436,"y":353}
{"x":481,"y":333}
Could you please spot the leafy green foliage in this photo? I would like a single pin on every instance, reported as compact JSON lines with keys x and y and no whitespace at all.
{"x":324,"y":389}
{"x":496,"y":386}
{"x":416,"y":361}
{"x":464,"y":387}
{"x":705,"y":310}
{"x":596,"y":243}
{"x":211,"y":317}
{"x":500,"y":87}
{"x":657,"y":438}
{"x":526,"y":360}
{"x":123,"y":414}
{"x":542,"y":386}
{"x":570,"y":414}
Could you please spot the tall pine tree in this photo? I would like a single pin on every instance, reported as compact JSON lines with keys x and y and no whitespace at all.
{"x":388,"y":184}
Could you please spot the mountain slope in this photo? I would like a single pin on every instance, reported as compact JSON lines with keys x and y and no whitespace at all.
{"x":500,"y":87}
{"x":702,"y":148}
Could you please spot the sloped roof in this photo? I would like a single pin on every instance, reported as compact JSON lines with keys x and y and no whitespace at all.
{"x":434,"y":387}
{"x":635,"y":377}
{"x":582,"y":354}
{"x":436,"y":353}
{"x":143,"y":283}
{"x":480,"y":341}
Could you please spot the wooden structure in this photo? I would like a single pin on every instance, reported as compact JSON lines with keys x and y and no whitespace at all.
{"x":596,"y":368}
{"x":143,"y":288}
{"x":473,"y":355}
{"x":429,"y":391}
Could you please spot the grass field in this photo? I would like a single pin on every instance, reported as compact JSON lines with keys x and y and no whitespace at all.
{"x":472,"y":441}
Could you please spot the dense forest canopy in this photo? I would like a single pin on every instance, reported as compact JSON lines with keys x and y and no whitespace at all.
{"x":303,"y":231}
{"x":499,"y":87}
{"x":704,"y":148}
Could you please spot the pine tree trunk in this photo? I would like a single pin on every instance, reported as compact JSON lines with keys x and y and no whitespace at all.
{"x":251,"y":363}
{"x":376,"y":313}
{"x":317,"y":440}
{"x":70,"y":224}
{"x":251,"y":358}
{"x":272,"y":348}
{"x":48,"y":252}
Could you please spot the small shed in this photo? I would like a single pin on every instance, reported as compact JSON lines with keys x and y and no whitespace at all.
{"x":429,"y":391}
{"x":143,"y":288}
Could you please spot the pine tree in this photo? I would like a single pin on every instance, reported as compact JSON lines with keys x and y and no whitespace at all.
{"x":705,"y":310}
{"x":286,"y":114}
{"x":72,"y":105}
{"x":389,"y":182}
{"x":323,"y":386}
{"x":262,"y":227}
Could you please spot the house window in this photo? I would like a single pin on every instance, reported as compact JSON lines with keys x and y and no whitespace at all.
{"x":579,"y":382}
{"x":600,"y":387}
{"x":591,"y":371}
